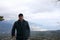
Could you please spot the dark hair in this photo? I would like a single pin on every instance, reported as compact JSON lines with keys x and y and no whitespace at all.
{"x":20,"y":14}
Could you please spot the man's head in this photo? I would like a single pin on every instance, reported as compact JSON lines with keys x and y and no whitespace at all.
{"x":20,"y":16}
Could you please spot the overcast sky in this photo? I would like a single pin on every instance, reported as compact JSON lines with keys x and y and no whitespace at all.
{"x":45,"y":12}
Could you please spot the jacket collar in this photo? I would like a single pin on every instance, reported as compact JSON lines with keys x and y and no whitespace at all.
{"x":22,"y":20}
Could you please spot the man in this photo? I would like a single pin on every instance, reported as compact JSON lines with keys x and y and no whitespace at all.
{"x":22,"y":28}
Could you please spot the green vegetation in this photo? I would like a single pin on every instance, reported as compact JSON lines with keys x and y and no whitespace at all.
{"x":47,"y":35}
{"x":1,"y":18}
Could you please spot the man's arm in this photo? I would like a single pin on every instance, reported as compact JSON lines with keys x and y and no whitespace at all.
{"x":28,"y":27}
{"x":28,"y":30}
{"x":13,"y":30}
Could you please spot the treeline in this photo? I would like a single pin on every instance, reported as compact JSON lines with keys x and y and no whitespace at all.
{"x":1,"y":18}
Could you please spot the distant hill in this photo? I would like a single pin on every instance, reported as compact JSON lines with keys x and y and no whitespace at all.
{"x":5,"y":30}
{"x":5,"y":26}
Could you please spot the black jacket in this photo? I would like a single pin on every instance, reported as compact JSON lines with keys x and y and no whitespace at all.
{"x":22,"y":29}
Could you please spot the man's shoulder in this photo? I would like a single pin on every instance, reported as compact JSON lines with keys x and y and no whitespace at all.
{"x":15,"y":21}
{"x":25,"y":21}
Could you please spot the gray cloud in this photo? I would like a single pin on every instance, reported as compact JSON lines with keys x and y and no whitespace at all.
{"x":35,"y":10}
{"x":13,"y":7}
{"x":37,"y":6}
